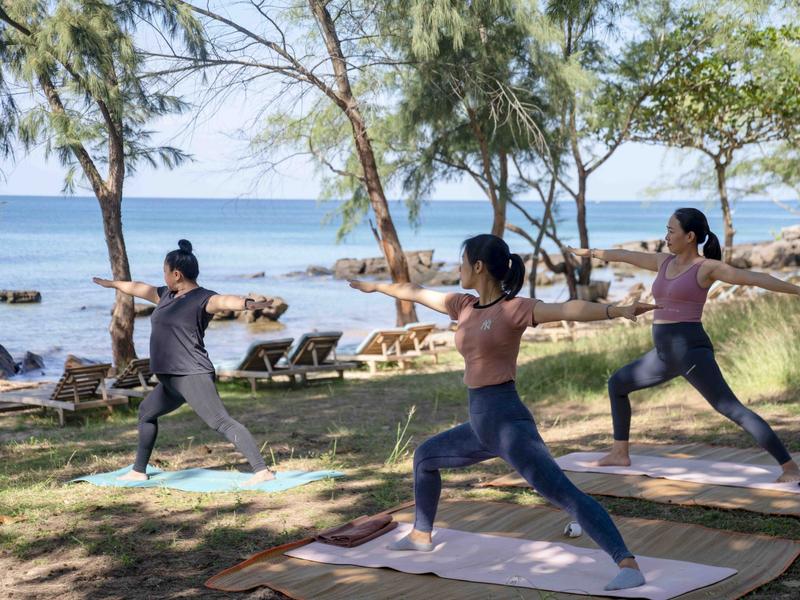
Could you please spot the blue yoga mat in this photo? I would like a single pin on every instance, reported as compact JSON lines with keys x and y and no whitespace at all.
{"x":208,"y":480}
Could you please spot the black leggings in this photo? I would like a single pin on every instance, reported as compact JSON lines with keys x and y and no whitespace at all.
{"x":684,"y":349}
{"x":199,"y":392}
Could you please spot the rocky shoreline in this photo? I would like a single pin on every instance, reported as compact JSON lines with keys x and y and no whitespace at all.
{"x":781,"y":253}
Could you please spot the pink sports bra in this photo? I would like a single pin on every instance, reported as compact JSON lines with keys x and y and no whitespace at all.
{"x":682,"y":298}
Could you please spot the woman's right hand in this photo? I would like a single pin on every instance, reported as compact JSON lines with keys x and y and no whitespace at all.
{"x":363,"y":286}
{"x":106,"y":283}
{"x":582,"y":252}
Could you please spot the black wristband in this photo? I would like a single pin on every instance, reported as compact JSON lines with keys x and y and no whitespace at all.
{"x":246,"y":300}
{"x":608,"y":311}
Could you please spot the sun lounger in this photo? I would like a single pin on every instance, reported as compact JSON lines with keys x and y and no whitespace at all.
{"x":135,"y":381}
{"x":260,"y":362}
{"x":382,"y":346}
{"x":79,"y":388}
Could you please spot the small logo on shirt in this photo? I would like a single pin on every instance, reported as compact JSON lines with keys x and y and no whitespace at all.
{"x":486,"y":325}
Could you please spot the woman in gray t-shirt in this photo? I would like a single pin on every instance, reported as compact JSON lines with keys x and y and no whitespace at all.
{"x":179,"y":359}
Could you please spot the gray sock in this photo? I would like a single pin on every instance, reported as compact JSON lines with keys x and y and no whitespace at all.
{"x":407,"y":544}
{"x":626,"y":578}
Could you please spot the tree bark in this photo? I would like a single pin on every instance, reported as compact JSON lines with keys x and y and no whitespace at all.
{"x":390,"y":242}
{"x":722,"y":188}
{"x":122,"y":315}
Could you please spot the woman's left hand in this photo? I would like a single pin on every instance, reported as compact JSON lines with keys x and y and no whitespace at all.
{"x":632,"y":311}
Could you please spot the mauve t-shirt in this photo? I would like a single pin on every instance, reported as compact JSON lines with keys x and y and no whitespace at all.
{"x":488,"y":336}
{"x":178,"y":325}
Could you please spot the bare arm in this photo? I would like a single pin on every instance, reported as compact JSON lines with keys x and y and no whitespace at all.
{"x":224,"y":302}
{"x":721,"y":271}
{"x":145,"y":291}
{"x":580,"y":310}
{"x":404,"y":291}
{"x":643,"y":260}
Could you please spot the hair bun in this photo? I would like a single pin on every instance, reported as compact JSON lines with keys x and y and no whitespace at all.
{"x":185,"y":245}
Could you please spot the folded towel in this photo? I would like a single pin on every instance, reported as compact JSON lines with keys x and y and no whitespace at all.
{"x":357,"y":531}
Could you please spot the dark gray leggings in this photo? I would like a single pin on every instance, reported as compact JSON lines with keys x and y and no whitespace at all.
{"x":501,"y":425}
{"x":684,"y":349}
{"x":199,"y":392}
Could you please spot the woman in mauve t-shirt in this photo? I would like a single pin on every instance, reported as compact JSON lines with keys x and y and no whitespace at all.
{"x":490,"y":326}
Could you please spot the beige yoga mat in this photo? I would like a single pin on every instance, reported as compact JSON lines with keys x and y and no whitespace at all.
{"x":501,"y":560}
{"x":757,"y":559}
{"x":672,"y":491}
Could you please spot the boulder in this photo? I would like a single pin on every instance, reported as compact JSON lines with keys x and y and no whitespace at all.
{"x":767,"y":255}
{"x":445,"y":278}
{"x":31,"y":362}
{"x":8,"y":368}
{"x":143,"y":310}
{"x":273,"y":313}
{"x":420,"y":261}
{"x":791,"y":233}
{"x":318,"y":271}
{"x":20,"y":296}
{"x":73,"y":361}
{"x":593,"y":291}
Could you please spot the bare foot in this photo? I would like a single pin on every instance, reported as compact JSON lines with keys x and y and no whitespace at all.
{"x":618,"y":457}
{"x":421,"y":537}
{"x":614,"y":459}
{"x":260,"y":477}
{"x":133,"y":476}
{"x":629,"y":563}
{"x":791,"y":472}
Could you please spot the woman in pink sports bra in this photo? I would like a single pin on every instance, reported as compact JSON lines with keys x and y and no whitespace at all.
{"x":682,"y":346}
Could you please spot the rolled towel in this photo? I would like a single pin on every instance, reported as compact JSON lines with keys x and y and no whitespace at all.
{"x":357,"y":531}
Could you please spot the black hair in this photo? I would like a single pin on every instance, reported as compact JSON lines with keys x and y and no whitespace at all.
{"x":694,"y":220}
{"x":505,"y":267}
{"x":183,"y":260}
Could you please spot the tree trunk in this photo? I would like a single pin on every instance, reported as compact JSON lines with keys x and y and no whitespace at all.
{"x":499,"y":207}
{"x":727,"y":218}
{"x":122,"y":316}
{"x":390,"y":243}
{"x":583,"y":230}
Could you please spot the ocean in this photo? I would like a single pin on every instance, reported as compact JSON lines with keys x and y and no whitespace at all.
{"x":56,"y":245}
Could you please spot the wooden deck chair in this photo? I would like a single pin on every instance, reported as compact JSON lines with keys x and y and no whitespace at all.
{"x":382,"y":346}
{"x":419,"y":341}
{"x":314,"y":353}
{"x":79,"y":388}
{"x":259,"y":362}
{"x":135,"y":381}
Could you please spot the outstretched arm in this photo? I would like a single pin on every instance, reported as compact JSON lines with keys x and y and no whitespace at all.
{"x":580,"y":310}
{"x":643,"y":260}
{"x":404,"y":291}
{"x":224,"y":302}
{"x":724,"y":272}
{"x":145,"y":291}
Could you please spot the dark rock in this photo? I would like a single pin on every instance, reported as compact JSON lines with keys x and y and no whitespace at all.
{"x":73,"y":361}
{"x":258,"y":275}
{"x":273,"y":313}
{"x":420,"y":261}
{"x":20,"y":296}
{"x":140,"y":309}
{"x":317,"y":271}
{"x":31,"y":362}
{"x":8,"y":368}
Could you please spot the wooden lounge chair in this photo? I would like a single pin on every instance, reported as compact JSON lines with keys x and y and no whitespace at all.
{"x":382,"y":346}
{"x":314,"y":353}
{"x":79,"y":388}
{"x":135,"y":381}
{"x":419,"y":341}
{"x":260,"y":361}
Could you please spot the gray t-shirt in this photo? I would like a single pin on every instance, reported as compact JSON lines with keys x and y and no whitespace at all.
{"x":177,"y":328}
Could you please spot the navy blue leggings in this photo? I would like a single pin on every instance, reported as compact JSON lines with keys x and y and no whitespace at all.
{"x":684,"y":349}
{"x":501,"y":425}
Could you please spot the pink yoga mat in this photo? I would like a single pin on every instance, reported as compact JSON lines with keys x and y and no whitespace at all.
{"x":685,"y":469}
{"x":540,"y":565}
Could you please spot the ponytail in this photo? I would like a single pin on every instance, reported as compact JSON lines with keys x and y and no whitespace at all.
{"x":512,"y":282}
{"x":507,"y":268}
{"x":711,"y":248}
